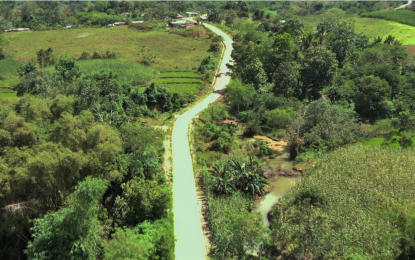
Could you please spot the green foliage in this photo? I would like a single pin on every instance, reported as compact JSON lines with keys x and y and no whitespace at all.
{"x":73,"y":231}
{"x":326,"y":126}
{"x":371,"y":99}
{"x":149,"y":240}
{"x":45,"y":58}
{"x":26,"y":68}
{"x":240,"y":95}
{"x":317,"y":71}
{"x":67,"y":69}
{"x":356,"y":218}
{"x":145,"y":200}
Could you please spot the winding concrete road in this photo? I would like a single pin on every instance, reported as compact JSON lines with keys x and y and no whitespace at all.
{"x":405,"y":5}
{"x":190,"y":244}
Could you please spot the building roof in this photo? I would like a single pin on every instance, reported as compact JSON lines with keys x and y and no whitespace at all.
{"x":138,"y":22}
{"x":178,"y":22}
{"x":192,"y":12}
{"x":282,"y":21}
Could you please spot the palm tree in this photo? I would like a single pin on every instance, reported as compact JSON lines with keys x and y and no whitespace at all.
{"x":322,"y":32}
{"x":223,"y":180}
{"x":307,"y":41}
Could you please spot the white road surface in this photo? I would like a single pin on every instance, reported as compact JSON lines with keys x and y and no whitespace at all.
{"x":190,"y":244}
{"x":405,"y":5}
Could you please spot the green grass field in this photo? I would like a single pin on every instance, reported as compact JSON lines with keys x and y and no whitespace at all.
{"x":377,"y":141}
{"x":401,"y":16}
{"x":188,"y":74}
{"x":184,"y":87}
{"x":8,"y":68}
{"x":128,"y":72}
{"x":178,"y":80}
{"x":370,"y":27}
{"x":167,"y":50}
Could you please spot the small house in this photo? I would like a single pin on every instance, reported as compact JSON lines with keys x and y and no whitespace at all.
{"x":282,"y":21}
{"x":119,"y":24}
{"x":8,"y":30}
{"x":203,"y":18}
{"x":192,"y":14}
{"x":68,"y":27}
{"x":137,"y":22}
{"x":179,"y":16}
{"x":110,"y":25}
{"x":178,"y":24}
{"x":21,"y":30}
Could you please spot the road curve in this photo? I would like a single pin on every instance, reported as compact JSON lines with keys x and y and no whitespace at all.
{"x":190,"y":242}
{"x":405,"y":5}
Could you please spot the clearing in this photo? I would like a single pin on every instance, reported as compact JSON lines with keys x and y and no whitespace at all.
{"x":168,"y":50}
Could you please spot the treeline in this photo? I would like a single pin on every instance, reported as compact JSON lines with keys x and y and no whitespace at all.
{"x":81,"y":176}
{"x":287,"y":68}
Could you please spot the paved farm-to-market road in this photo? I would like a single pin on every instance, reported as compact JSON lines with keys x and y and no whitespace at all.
{"x":190,"y":244}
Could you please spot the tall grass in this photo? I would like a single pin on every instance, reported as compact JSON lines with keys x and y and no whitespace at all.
{"x":128,"y":72}
{"x":8,"y":68}
{"x":401,"y":16}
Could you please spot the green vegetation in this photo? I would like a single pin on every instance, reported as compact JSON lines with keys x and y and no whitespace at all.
{"x":356,"y":203}
{"x":401,"y":16}
{"x":8,"y":68}
{"x":132,"y":73}
{"x":372,"y":28}
{"x":89,"y":168}
{"x":178,"y":80}
{"x":179,"y":74}
{"x":164,"y":50}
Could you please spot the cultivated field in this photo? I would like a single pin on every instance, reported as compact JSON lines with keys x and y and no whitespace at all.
{"x":370,"y":27}
{"x":166,"y":49}
{"x":180,"y":80}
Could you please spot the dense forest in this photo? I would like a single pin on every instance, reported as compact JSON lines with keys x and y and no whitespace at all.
{"x":82,"y":173}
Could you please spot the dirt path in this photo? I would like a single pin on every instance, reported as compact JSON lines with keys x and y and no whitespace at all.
{"x":190,"y":242}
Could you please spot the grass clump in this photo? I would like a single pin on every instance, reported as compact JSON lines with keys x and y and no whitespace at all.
{"x":354,"y":202}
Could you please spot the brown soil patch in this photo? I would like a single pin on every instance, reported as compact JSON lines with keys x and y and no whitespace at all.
{"x":82,"y":36}
{"x":410,"y":48}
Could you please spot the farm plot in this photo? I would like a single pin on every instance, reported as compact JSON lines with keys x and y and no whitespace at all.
{"x":180,"y":80}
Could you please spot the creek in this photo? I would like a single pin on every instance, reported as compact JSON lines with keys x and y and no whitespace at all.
{"x":280,"y":186}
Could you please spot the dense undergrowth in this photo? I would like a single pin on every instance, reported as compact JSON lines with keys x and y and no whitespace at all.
{"x":355,"y":203}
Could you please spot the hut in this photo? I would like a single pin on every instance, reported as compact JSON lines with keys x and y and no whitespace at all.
{"x":178,"y":24}
{"x":137,"y":22}
{"x":192,"y":14}
{"x":119,"y":24}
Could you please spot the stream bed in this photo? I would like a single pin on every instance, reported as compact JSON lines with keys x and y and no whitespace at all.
{"x":280,"y":186}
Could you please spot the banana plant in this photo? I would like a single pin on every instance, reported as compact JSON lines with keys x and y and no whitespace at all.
{"x":224,"y":181}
